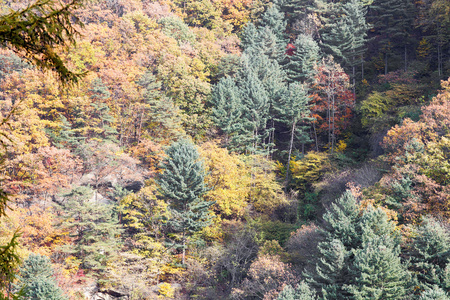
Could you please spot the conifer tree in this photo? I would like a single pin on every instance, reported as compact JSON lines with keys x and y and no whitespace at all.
{"x":342,"y":221}
{"x":434,"y":293}
{"x":36,"y":279}
{"x":301,"y":292}
{"x":293,"y":109}
{"x":377,"y":270}
{"x":431,"y":255}
{"x":355,"y":17}
{"x":300,"y":67}
{"x":256,"y":104}
{"x":94,"y":227}
{"x":248,"y":36}
{"x":182,"y":185}
{"x":274,"y":19}
{"x":360,"y":257}
{"x":227,"y":108}
{"x":160,"y":117}
{"x":393,"y":20}
{"x":331,"y":272}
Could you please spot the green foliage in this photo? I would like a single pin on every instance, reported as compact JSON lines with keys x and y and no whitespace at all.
{"x":360,"y":257}
{"x":301,"y":292}
{"x":300,"y":66}
{"x":276,"y":230}
{"x":434,"y":293}
{"x":175,"y":27}
{"x":182,"y":184}
{"x":374,"y":109}
{"x":40,"y":28}
{"x":9,"y":260}
{"x":36,"y":279}
{"x":431,"y":255}
{"x":93,"y":226}
{"x":378,"y":271}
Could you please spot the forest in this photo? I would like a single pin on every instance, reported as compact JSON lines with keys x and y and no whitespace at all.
{"x":225,"y":149}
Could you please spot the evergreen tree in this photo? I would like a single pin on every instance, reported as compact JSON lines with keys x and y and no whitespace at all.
{"x":66,"y":136}
{"x":431,"y":255}
{"x":293,"y":109}
{"x":377,"y":271}
{"x":227,"y":108}
{"x":300,"y":66}
{"x":301,"y":292}
{"x":182,"y":184}
{"x":360,"y":257}
{"x":341,"y":221}
{"x":355,"y":18}
{"x":248,"y":36}
{"x":331,"y":272}
{"x":434,"y":293}
{"x":36,"y":279}
{"x":393,"y":21}
{"x":256,"y":104}
{"x":160,"y":117}
{"x":94,"y":228}
{"x":274,"y":19}
{"x":299,"y":10}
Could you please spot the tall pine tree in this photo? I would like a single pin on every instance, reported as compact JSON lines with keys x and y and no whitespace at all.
{"x":182,"y":185}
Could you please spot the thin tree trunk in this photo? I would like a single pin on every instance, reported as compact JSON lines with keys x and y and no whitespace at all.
{"x":354,"y":81}
{"x":333,"y":137}
{"x":439,"y":60}
{"x":184,"y":248}
{"x":406,"y":61}
{"x":362,"y":67}
{"x":315,"y":136}
{"x":291,"y":143}
{"x":385,"y":63}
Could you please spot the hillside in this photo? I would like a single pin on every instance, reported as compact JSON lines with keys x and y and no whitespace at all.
{"x":226,"y":149}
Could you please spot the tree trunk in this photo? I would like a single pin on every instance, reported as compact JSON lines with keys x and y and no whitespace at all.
{"x":333,"y":137}
{"x":385,"y":63}
{"x":315,"y":136}
{"x":184,"y":248}
{"x":291,"y":143}
{"x":362,"y":67}
{"x":406,"y":61}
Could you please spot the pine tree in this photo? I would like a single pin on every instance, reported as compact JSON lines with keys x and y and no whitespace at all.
{"x":66,"y":137}
{"x":431,"y":255}
{"x":248,"y":36}
{"x":342,"y":221}
{"x":36,"y":279}
{"x":434,"y":293}
{"x":331,"y":272}
{"x":182,"y":185}
{"x":227,"y":108}
{"x":274,"y":19}
{"x":94,"y":228}
{"x":360,"y":257}
{"x":160,"y":118}
{"x":300,"y":67}
{"x":301,"y":292}
{"x":393,"y":20}
{"x":377,"y":271}
{"x":256,"y":105}
{"x":355,"y":17}
{"x":39,"y":28}
{"x":293,"y":109}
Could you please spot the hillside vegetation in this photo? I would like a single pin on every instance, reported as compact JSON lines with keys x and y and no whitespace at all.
{"x":228,"y":149}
